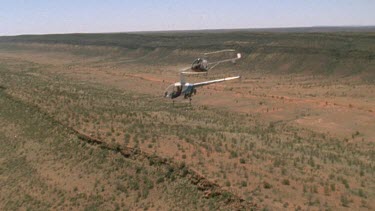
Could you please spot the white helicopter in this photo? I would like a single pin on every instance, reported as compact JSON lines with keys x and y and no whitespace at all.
{"x":183,"y":88}
{"x":201,"y":65}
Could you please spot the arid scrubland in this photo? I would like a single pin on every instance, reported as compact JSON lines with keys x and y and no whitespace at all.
{"x":297,"y":132}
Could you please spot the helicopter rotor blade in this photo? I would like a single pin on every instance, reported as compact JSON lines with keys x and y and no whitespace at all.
{"x":225,"y":60}
{"x":221,"y":51}
{"x":185,"y":69}
{"x":193,"y":73}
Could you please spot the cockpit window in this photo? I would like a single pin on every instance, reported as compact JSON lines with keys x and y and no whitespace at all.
{"x":200,"y":64}
{"x":173,"y":91}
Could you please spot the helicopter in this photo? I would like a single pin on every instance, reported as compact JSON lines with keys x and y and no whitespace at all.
{"x":201,"y":65}
{"x":183,"y":88}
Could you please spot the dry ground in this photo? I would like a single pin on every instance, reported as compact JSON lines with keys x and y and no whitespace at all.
{"x":282,"y":141}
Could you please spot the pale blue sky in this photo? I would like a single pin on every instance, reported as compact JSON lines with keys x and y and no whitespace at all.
{"x":70,"y":16}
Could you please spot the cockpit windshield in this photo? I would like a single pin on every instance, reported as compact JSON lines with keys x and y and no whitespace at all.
{"x":173,"y":91}
{"x":200,"y":65}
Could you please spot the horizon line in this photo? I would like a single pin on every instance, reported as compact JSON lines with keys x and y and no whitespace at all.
{"x":198,"y":30}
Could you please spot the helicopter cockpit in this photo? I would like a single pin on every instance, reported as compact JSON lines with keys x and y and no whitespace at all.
{"x":200,"y":65}
{"x":173,"y":90}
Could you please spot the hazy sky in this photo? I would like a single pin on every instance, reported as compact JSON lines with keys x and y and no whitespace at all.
{"x":67,"y":16}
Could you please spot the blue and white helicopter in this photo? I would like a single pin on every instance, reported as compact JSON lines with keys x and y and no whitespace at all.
{"x":183,"y":88}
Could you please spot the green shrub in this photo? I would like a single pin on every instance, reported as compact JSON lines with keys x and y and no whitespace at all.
{"x":267,"y":185}
{"x":285,"y":182}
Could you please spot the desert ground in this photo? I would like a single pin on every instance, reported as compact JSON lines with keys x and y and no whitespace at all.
{"x":84,"y":124}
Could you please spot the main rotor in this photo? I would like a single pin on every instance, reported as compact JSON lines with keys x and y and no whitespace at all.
{"x":201,"y":65}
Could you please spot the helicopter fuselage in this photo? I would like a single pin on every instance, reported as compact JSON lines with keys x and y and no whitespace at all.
{"x":177,"y":89}
{"x":200,"y":65}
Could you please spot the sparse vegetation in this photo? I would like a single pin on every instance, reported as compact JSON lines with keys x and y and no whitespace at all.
{"x":244,"y":147}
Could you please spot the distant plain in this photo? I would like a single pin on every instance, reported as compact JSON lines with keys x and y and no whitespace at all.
{"x":296,"y":132}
